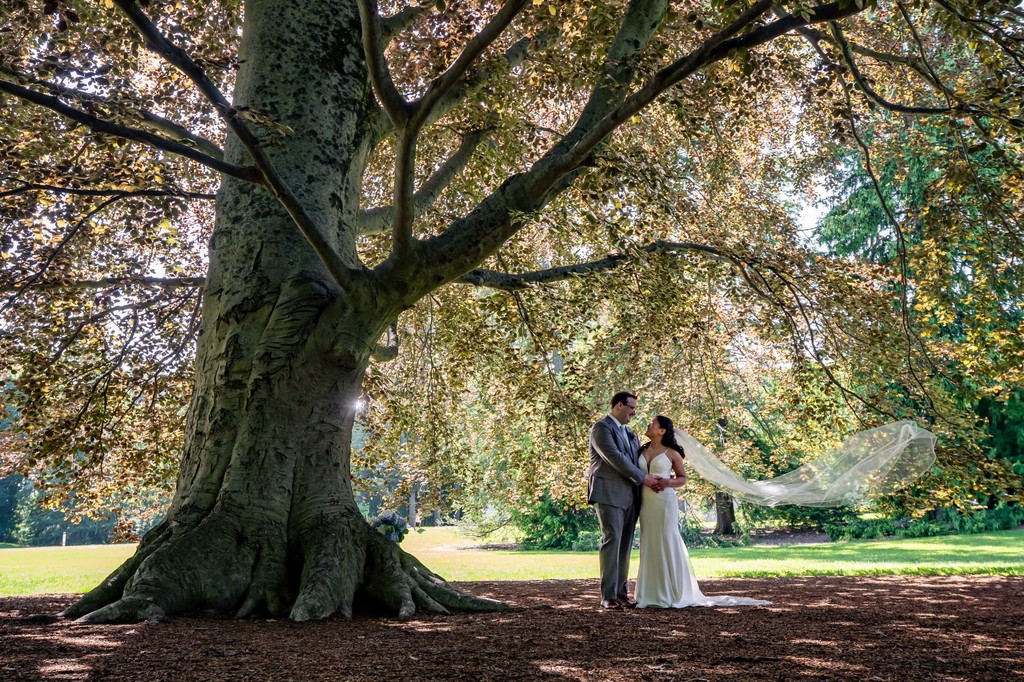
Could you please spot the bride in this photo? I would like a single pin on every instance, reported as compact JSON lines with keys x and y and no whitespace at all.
{"x":665,"y":577}
{"x":869,"y":463}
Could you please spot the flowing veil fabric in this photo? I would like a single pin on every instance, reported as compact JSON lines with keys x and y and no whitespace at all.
{"x":873,"y":462}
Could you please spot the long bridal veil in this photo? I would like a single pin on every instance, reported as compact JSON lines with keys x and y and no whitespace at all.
{"x":873,"y":462}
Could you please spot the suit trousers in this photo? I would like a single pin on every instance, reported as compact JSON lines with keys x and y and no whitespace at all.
{"x":617,"y":527}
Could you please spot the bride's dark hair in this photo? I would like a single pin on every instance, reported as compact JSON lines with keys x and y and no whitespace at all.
{"x":669,"y":439}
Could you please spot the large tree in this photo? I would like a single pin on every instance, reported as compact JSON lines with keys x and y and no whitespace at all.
{"x":341,"y":201}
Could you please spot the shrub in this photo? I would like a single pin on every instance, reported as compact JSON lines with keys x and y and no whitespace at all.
{"x":1001,"y":518}
{"x":554,"y":524}
{"x":926,"y":529}
{"x":791,"y":516}
{"x":587,"y":541}
{"x":1004,"y":517}
{"x":693,"y":537}
{"x":590,"y":540}
{"x":862,"y":529}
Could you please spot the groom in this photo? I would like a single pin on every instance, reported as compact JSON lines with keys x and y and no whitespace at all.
{"x":614,"y":481}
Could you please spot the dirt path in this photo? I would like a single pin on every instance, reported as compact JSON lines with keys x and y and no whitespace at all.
{"x":885,"y":628}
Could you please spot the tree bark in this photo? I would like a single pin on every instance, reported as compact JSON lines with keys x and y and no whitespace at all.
{"x":264,"y":520}
{"x":725,"y":515}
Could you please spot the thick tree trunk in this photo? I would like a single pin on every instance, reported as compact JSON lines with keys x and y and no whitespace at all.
{"x":264,"y":519}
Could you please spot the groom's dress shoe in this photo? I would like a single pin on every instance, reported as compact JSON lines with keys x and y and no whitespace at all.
{"x":611,"y":604}
{"x":626,"y":604}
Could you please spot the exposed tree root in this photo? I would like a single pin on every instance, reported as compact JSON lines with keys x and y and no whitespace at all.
{"x":269,"y":591}
{"x":214,"y":567}
{"x":112,"y":587}
{"x":332,"y":569}
{"x":399,"y":581}
{"x":125,"y":610}
{"x":208,"y":567}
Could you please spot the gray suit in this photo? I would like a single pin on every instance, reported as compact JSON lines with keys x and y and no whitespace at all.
{"x":614,"y":482}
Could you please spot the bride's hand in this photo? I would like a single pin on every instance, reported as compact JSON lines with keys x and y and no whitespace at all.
{"x":654,"y":483}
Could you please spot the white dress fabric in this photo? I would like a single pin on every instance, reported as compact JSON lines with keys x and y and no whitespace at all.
{"x":665,"y":578}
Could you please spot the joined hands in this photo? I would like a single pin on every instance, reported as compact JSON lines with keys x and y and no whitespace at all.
{"x":654,"y":483}
{"x":658,"y":484}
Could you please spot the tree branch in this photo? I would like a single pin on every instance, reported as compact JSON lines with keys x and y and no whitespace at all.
{"x":512,"y":282}
{"x":169,"y":127}
{"x":538,"y":342}
{"x":175,"y":56}
{"x":391,"y":26}
{"x":410,"y":118}
{"x":866,"y":88}
{"x":404,"y":211}
{"x":389,"y":351}
{"x":515,"y":55}
{"x":812,"y":345}
{"x":395,"y":105}
{"x":19,"y":287}
{"x":377,"y":220}
{"x":814,"y":36}
{"x":247,"y":173}
{"x":128,"y":280}
{"x":885,"y":57}
{"x":716,"y":48}
{"x":1002,"y":213}
{"x":910,"y":334}
{"x":998,"y":37}
{"x":476,"y":46}
{"x":931,"y":75}
{"x":471,"y":239}
{"x":75,"y":191}
{"x":156,"y":122}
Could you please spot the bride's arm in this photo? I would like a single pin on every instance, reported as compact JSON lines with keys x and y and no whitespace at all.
{"x":679,"y":478}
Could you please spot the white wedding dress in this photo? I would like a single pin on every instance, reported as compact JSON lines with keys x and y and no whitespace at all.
{"x":665,"y":578}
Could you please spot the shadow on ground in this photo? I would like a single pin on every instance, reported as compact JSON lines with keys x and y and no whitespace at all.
{"x":823,"y":628}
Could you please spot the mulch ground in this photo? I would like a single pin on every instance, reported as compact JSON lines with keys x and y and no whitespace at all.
{"x":879,"y":628}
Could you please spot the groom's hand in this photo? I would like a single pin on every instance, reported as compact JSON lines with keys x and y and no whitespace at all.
{"x":654,"y":483}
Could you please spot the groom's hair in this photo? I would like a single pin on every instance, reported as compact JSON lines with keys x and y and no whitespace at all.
{"x":622,"y":397}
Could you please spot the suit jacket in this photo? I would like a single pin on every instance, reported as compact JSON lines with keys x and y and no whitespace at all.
{"x":614,"y":477}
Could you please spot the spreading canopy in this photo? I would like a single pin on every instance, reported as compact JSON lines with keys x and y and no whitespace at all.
{"x":549,"y":199}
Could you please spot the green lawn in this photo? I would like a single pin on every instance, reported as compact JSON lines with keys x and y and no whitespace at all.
{"x":1000,"y":553}
{"x":45,"y":570}
{"x":42,"y":570}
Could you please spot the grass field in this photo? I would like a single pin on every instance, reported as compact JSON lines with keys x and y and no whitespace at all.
{"x":46,"y":570}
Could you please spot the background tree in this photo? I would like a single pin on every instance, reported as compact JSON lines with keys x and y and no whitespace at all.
{"x":10,"y":493}
{"x":373,"y":162}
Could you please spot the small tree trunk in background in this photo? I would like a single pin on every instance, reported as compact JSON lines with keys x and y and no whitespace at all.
{"x":725,"y":513}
